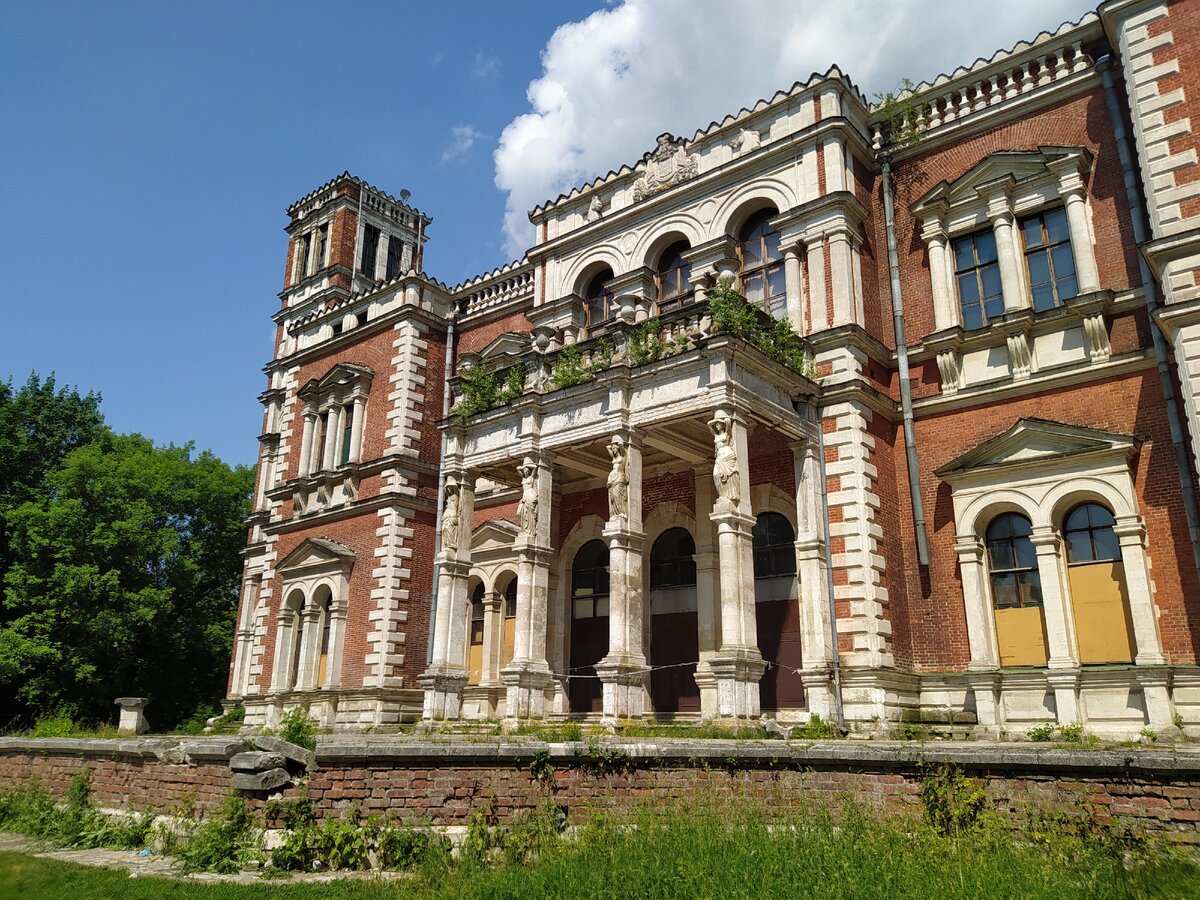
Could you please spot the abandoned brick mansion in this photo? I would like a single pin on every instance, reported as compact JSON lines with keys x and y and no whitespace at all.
{"x":597,"y":483}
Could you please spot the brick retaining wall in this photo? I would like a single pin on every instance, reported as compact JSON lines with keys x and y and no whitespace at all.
{"x":1157,"y":790}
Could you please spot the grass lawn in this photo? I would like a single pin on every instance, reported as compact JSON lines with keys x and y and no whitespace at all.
{"x":705,"y":853}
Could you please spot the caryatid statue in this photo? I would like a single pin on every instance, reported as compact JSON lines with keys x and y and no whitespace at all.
{"x":451,"y":517}
{"x":618,"y":480}
{"x":726,"y":477}
{"x":527,"y":508}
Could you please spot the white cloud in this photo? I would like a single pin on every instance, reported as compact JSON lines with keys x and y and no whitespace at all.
{"x":486,"y":65}
{"x":623,"y":75}
{"x":462,"y":139}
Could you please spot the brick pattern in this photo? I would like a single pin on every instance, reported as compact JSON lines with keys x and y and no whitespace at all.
{"x":389,"y":597}
{"x":446,"y":795}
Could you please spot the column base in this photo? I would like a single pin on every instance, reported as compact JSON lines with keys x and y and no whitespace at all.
{"x":1160,"y":716}
{"x":624,"y":686}
{"x":737,"y":673}
{"x":986,"y":686}
{"x":818,"y":692}
{"x":526,"y":688}
{"x":1065,"y":684}
{"x":443,"y":692}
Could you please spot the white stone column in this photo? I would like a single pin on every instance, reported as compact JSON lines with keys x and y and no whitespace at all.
{"x":708,"y":612}
{"x":493,"y":638}
{"x":841,"y":262}
{"x":981,"y":617}
{"x":381,"y":256}
{"x":989,"y":708}
{"x":1063,"y":666}
{"x":816,"y":636}
{"x":337,"y":641}
{"x":306,"y":440}
{"x":941,"y":275}
{"x":738,"y":664}
{"x":1008,"y":255}
{"x":1131,"y":533}
{"x":356,"y":429}
{"x":1082,"y":248}
{"x":310,"y":647}
{"x":794,"y":285}
{"x":329,"y":451}
{"x":623,"y":670}
{"x":446,"y":676}
{"x":814,"y":261}
{"x":527,"y":678}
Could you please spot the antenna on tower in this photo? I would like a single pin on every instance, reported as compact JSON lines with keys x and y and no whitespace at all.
{"x":405,"y":194}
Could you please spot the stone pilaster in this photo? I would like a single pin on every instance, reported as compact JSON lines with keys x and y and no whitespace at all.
{"x":708,"y":614}
{"x":527,"y":678}
{"x":816,"y":635}
{"x":623,"y":670}
{"x":738,"y":665}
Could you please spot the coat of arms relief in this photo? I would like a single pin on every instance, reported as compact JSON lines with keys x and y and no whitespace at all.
{"x":668,"y":164}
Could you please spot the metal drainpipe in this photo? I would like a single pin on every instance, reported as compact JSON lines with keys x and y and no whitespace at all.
{"x":441,"y":491}
{"x":835,"y":655}
{"x":910,"y":438}
{"x":1150,"y":294}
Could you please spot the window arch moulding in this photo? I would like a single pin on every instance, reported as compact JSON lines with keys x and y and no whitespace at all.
{"x":997,"y":202}
{"x":1041,"y":469}
{"x":334,"y":411}
{"x":315,"y":563}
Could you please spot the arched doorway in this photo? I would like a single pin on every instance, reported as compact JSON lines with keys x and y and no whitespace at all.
{"x":1099,"y":597}
{"x":324,"y":603}
{"x":674,"y":646}
{"x":589,"y":625}
{"x":475,"y":639}
{"x":777,"y":612}
{"x":508,"y":635}
{"x":1016,"y":591}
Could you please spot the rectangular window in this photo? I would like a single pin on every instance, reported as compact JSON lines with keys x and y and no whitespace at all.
{"x":347,"y":431}
{"x":303,"y":245}
{"x":322,"y":246}
{"x":370,"y":250}
{"x":395,"y":256}
{"x":1049,"y":258}
{"x":322,"y":434}
{"x":977,"y":273}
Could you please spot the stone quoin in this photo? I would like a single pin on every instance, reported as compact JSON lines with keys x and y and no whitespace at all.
{"x":561,"y":489}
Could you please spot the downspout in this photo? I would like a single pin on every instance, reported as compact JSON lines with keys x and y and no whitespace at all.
{"x":1150,"y":294}
{"x":441,"y":491}
{"x":910,"y":438}
{"x":835,"y":654}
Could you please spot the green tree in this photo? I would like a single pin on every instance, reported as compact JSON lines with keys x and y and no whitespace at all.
{"x":39,"y":426}
{"x":123,"y":581}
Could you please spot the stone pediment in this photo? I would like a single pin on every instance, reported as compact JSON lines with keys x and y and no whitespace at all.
{"x":493,"y":534}
{"x":1006,"y":166}
{"x":318,"y":553}
{"x":1032,"y":441}
{"x":340,"y":374}
{"x":510,"y":343}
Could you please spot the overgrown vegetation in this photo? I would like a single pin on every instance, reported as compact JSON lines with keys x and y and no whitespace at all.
{"x":900,"y":111}
{"x":73,"y":823}
{"x":569,"y":369}
{"x":296,"y":726}
{"x":706,"y":846}
{"x":734,"y":314}
{"x":647,"y":344}
{"x":481,"y":389}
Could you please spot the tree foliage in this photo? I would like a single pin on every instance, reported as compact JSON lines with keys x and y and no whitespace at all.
{"x":123,"y":566}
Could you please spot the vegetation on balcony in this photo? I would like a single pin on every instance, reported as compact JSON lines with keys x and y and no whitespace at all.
{"x":734,"y":314}
{"x":570,"y":368}
{"x":481,"y":389}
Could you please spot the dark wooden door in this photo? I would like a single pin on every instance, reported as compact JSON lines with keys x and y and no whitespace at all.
{"x":779,"y":642}
{"x":589,"y":643}
{"x":673,"y":641}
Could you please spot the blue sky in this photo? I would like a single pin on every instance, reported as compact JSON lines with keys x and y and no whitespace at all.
{"x":150,"y":149}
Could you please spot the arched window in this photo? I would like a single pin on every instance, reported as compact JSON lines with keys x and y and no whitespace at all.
{"x":296,"y":603}
{"x":762,"y":264}
{"x":774,"y":546}
{"x":510,"y":600}
{"x":1012,"y":563}
{"x":589,"y":581}
{"x":1088,"y":530}
{"x":599,"y":299}
{"x":674,"y":278}
{"x":477,"y":616}
{"x":671,"y":560}
{"x":326,"y":631}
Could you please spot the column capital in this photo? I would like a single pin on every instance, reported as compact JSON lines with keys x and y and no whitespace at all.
{"x":1130,"y":530}
{"x":1045,"y":539}
{"x":969,"y":548}
{"x":493,"y":601}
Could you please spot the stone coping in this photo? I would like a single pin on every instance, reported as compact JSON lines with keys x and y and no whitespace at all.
{"x":367,"y":750}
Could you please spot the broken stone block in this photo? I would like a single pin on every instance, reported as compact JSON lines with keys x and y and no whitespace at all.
{"x":133,"y":718}
{"x":297,"y":754}
{"x":257,"y":761}
{"x":260,"y":781}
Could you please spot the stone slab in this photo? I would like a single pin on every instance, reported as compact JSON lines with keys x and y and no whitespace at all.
{"x":261,"y":781}
{"x":297,"y":754}
{"x":257,"y":761}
